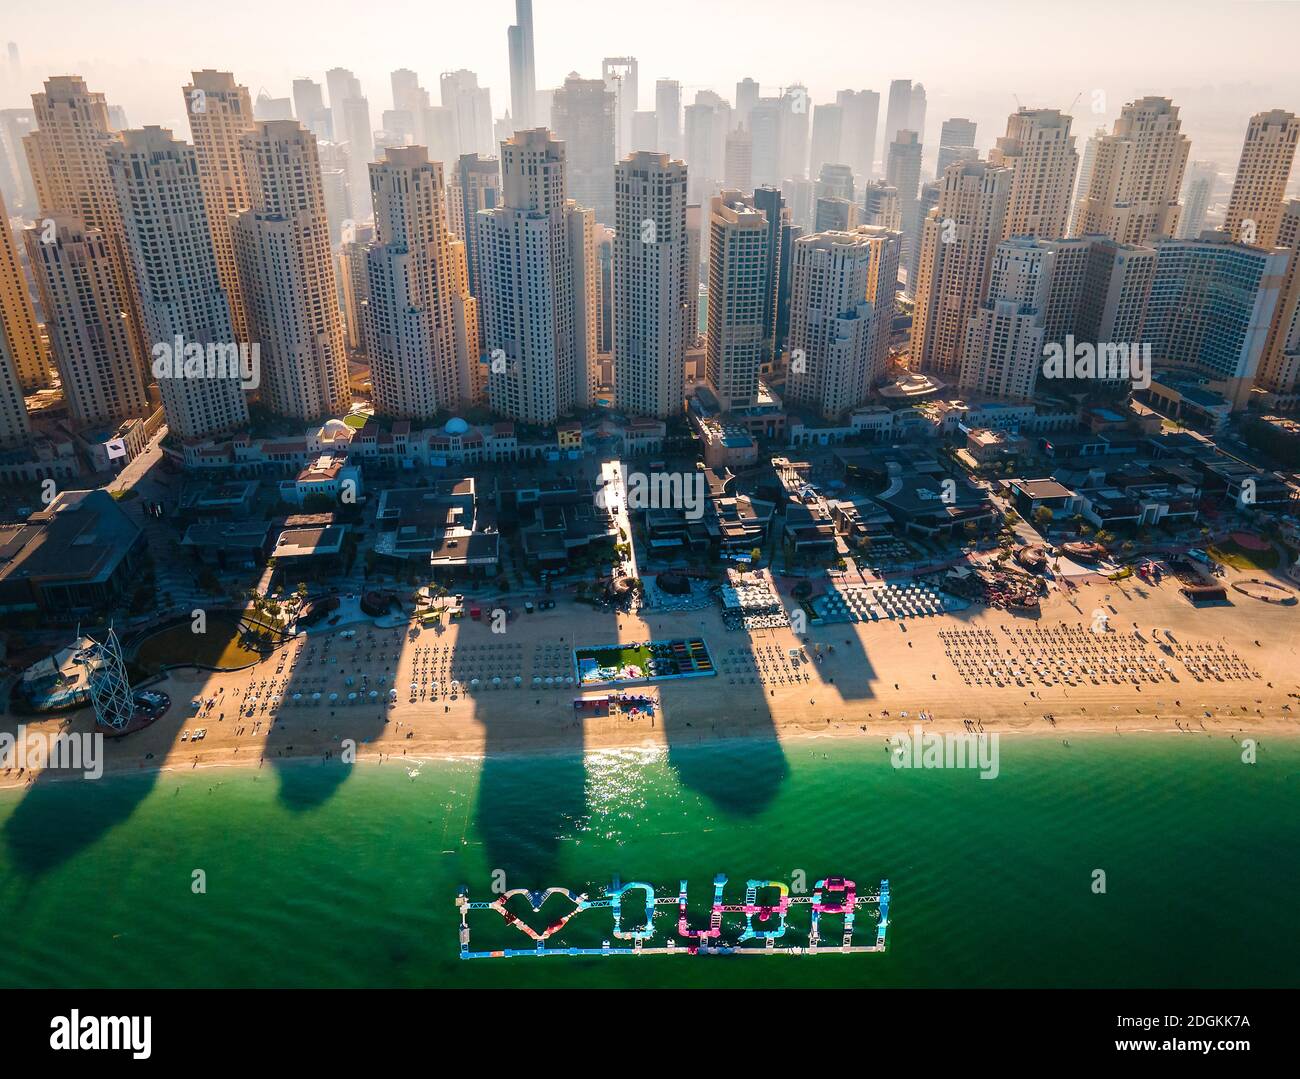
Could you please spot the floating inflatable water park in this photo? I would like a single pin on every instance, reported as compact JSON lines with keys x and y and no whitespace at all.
{"x":839,"y":919}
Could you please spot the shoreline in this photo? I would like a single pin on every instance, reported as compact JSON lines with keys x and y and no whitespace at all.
{"x":535,"y":749}
{"x":847,"y":680}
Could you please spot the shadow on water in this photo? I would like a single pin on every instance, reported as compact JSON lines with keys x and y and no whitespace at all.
{"x":60,"y":815}
{"x":744,"y":791}
{"x":528,"y":805}
{"x":323,"y":664}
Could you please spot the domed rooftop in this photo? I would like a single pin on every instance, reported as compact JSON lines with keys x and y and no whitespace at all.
{"x":333,"y":429}
{"x":456,"y":426}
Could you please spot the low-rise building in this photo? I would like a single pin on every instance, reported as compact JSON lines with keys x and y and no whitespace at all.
{"x":81,"y":553}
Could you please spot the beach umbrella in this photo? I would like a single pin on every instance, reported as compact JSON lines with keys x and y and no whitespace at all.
{"x":352,"y":698}
{"x":333,"y":697}
{"x":496,"y":681}
{"x":374,"y":694}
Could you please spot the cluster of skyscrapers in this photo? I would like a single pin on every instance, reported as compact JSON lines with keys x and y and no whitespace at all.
{"x":551,"y":261}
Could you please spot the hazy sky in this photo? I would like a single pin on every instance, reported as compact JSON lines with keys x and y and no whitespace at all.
{"x":1220,"y":61}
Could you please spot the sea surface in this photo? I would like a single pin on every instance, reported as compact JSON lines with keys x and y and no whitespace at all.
{"x":322,"y":875}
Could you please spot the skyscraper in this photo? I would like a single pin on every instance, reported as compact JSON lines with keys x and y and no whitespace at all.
{"x":781,"y":234}
{"x":1085,"y":178}
{"x":20,"y":338}
{"x":830,"y":323}
{"x":747,"y":94}
{"x":668,"y":117}
{"x":1136,"y":175}
{"x":738,"y":166}
{"x":283,"y":252}
{"x":475,"y":186}
{"x":217,"y":125}
{"x":88,"y":319}
{"x":1197,"y":193}
{"x":1255,"y":207}
{"x":651,"y":277}
{"x":185,"y":311}
{"x":69,"y":168}
{"x":707,"y":125}
{"x":765,"y":142}
{"x":903,"y":173}
{"x":350,"y":117}
{"x":1212,"y":304}
{"x":827,"y":138}
{"x":880,"y":207}
{"x":530,"y":314}
{"x":471,"y":109}
{"x":621,"y":79}
{"x":309,"y":108}
{"x":22,"y":360}
{"x":1280,"y":369}
{"x":958,"y":240}
{"x":420,"y":327}
{"x":793,"y":129}
{"x":1004,"y":338}
{"x":898,"y":113}
{"x":523,"y":75}
{"x":1039,"y":150}
{"x":582,"y":115}
{"x":737,"y":338}
{"x":956,"y":142}
{"x":860,"y":111}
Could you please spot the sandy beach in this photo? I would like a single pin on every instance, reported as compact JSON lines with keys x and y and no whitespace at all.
{"x":878,"y":681}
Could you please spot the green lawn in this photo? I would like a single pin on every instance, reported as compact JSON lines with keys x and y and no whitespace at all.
{"x":1231,"y":553}
{"x":617,"y":657}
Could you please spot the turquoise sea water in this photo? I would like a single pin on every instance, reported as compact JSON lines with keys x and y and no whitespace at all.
{"x":324,"y":875}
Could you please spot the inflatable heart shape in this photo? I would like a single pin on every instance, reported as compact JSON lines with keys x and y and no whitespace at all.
{"x":537,"y":900}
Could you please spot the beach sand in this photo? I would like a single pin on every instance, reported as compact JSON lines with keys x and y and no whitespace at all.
{"x":880,"y":678}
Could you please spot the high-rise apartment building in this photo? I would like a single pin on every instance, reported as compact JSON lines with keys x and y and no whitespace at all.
{"x":22,"y":360}
{"x":1280,"y":369}
{"x":1004,"y":338}
{"x":1136,"y":175}
{"x":350,"y":118}
{"x":531,"y":317}
{"x":420,"y":324}
{"x":67,"y":156}
{"x":652,"y":275}
{"x":1211,"y":307}
{"x":956,"y":142}
{"x":958,"y":240}
{"x":880,"y":207}
{"x":89,"y":320}
{"x":283,"y":251}
{"x":354,"y":284}
{"x":1085,"y":178}
{"x":582,"y":115}
{"x":221,"y":113}
{"x":475,"y":185}
{"x":903,"y":173}
{"x":793,"y":131}
{"x":194,"y":354}
{"x":830,"y":323}
{"x":1255,"y":207}
{"x":1198,"y":191}
{"x":20,"y":337}
{"x":737,"y":338}
{"x":1039,"y":150}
